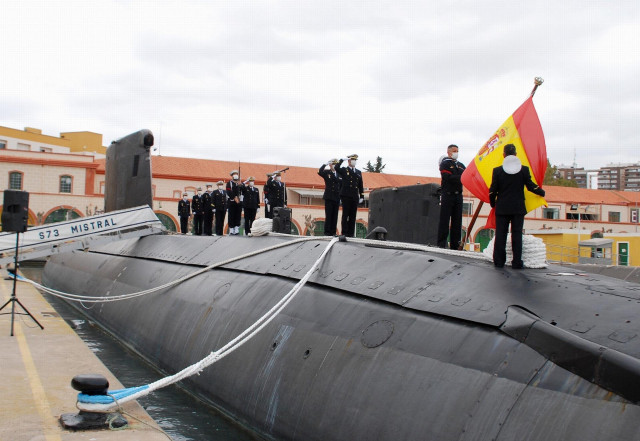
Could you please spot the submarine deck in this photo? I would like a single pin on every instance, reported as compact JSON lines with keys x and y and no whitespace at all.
{"x":37,"y":367}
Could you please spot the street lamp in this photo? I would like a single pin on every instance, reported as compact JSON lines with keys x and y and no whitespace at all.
{"x":576,"y":207}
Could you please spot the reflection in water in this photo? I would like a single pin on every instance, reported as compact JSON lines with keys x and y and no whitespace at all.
{"x":181,"y":416}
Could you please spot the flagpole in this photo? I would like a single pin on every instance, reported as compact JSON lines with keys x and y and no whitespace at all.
{"x":537,"y":81}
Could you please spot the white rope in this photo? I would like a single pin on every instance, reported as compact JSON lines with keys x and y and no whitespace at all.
{"x":93,"y":299}
{"x":534,"y":251}
{"x":227,"y":349}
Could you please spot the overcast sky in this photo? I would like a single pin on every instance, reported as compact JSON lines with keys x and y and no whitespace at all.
{"x":298,"y":82}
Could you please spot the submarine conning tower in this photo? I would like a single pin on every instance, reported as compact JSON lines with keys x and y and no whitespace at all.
{"x":128,"y":172}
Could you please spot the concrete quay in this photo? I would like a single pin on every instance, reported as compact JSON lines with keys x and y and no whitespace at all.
{"x":36,"y":368}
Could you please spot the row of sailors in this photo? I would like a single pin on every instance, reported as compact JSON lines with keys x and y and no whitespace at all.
{"x":343,"y":185}
{"x":236,"y":196}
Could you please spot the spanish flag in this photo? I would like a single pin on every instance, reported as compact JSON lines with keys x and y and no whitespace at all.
{"x":523,"y":130}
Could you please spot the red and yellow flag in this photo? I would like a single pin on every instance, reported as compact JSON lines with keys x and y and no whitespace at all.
{"x":523,"y":130}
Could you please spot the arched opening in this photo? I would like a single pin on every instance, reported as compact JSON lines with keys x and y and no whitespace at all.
{"x":484,"y":236}
{"x":62,"y":214}
{"x":167,"y":221}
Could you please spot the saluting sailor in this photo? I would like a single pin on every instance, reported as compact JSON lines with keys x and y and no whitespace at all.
{"x":235,"y":208}
{"x":251,"y":204}
{"x":207,"y":207}
{"x":219,"y":203}
{"x":184,"y":211}
{"x":198,"y":212}
{"x":351,"y":193}
{"x":277,"y":192}
{"x":331,"y":196}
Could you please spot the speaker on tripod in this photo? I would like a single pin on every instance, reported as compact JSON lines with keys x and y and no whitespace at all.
{"x":15,"y":216}
{"x":15,"y":211}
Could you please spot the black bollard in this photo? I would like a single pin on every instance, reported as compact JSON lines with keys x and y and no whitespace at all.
{"x":92,"y":384}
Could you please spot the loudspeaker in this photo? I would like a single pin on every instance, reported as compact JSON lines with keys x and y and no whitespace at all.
{"x":409,"y":214}
{"x":15,"y":211}
{"x":282,"y":220}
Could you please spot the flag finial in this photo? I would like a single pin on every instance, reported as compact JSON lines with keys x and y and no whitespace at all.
{"x":537,"y":81}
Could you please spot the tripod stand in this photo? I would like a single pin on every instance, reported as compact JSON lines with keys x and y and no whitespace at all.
{"x":13,"y":300}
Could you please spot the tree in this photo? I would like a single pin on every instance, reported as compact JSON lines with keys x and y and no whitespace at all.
{"x":375,"y":168}
{"x":551,"y":177}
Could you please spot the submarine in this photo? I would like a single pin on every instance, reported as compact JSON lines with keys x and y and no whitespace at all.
{"x":386,"y":341}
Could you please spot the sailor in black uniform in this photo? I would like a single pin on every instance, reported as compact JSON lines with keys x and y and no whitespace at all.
{"x":506,"y":195}
{"x":233,"y":203}
{"x":198,"y":212}
{"x":251,"y":202}
{"x":207,"y":207}
{"x":184,"y":211}
{"x":331,"y":196}
{"x":450,"y":199}
{"x":219,"y":203}
{"x":277,"y":192}
{"x":351,"y":193}
{"x":265,"y":195}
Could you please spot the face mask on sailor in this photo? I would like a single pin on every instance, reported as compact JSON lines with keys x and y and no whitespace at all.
{"x":250,"y":183}
{"x":235,"y":177}
{"x":278,"y":178}
{"x":352,"y":162}
{"x":199,"y":192}
{"x":454,"y":155}
{"x":184,"y":198}
{"x":332,"y":166}
{"x":219,"y":187}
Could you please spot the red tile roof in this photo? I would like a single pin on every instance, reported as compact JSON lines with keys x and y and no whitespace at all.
{"x":208,"y":170}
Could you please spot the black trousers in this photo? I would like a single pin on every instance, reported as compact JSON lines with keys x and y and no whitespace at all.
{"x":198,"y":223}
{"x":268,"y":211}
{"x":235,"y":213}
{"x":208,"y":223}
{"x":500,"y":243}
{"x":349,"y":212}
{"x":184,"y":224}
{"x":450,"y":211}
{"x":249,"y":217}
{"x":220,"y":222}
{"x":330,"y":217}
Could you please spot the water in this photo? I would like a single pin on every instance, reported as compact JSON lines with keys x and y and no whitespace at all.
{"x":181,"y":416}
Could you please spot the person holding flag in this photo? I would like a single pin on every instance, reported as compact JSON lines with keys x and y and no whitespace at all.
{"x":506,"y":195}
{"x":523,"y":130}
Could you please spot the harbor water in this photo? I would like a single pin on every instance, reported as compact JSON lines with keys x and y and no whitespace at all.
{"x":181,"y":416}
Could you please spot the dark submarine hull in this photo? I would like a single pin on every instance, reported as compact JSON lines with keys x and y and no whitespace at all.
{"x":381,"y":344}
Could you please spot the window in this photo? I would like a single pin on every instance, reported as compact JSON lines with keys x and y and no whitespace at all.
{"x":634,"y":215}
{"x":467,"y":208}
{"x":551,"y":213}
{"x":25,"y":147}
{"x":65,"y":184}
{"x":177,"y":194}
{"x":3,"y":144}
{"x":614,"y":216}
{"x":46,"y":149}
{"x":15,"y":181}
